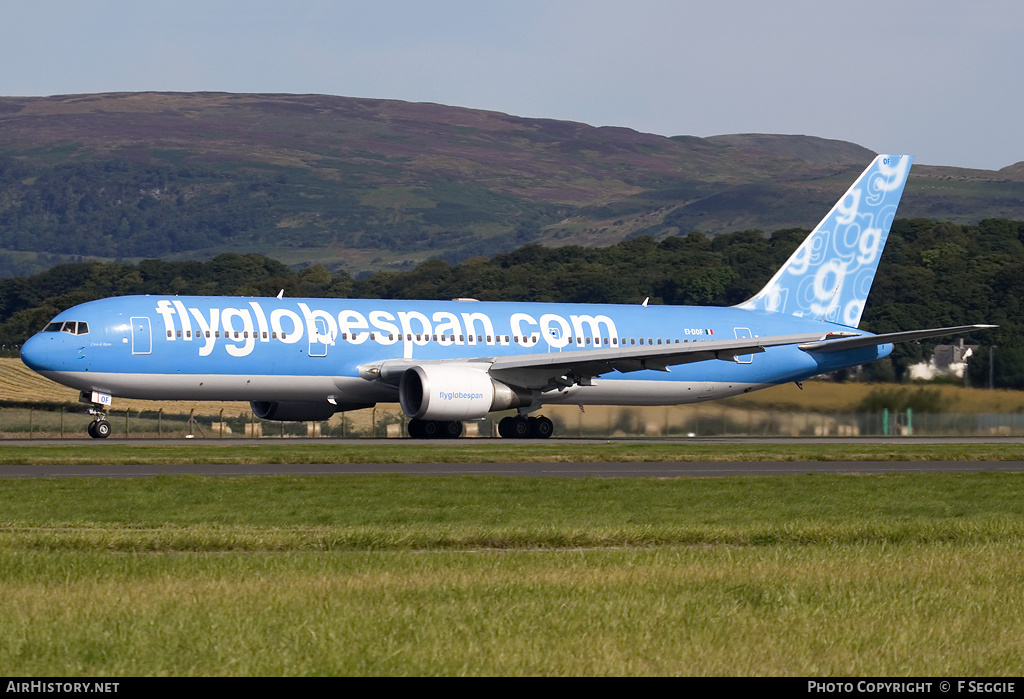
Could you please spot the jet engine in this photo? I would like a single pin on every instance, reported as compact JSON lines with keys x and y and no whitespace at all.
{"x":445,"y":392}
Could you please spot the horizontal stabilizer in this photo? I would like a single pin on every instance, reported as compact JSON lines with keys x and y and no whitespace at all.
{"x":849,"y":343}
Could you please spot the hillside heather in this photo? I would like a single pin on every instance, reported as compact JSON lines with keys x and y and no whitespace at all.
{"x":364,"y":185}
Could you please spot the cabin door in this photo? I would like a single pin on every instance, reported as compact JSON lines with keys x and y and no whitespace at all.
{"x":318,"y":342}
{"x":142,"y":335}
{"x":742,"y":333}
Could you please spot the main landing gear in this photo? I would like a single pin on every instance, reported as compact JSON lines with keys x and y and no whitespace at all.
{"x":435,"y":429}
{"x":518,"y":427}
{"x":522,"y":427}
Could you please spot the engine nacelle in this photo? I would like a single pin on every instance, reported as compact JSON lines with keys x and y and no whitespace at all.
{"x":300,"y":411}
{"x":446,"y":392}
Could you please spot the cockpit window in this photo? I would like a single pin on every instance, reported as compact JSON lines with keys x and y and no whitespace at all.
{"x":74,"y":327}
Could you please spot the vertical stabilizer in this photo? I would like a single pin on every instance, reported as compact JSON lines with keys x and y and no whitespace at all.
{"x":830,"y":274}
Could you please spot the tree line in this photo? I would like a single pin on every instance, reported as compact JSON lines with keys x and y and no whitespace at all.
{"x":932,"y":274}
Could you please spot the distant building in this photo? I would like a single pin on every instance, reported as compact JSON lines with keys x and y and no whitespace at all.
{"x":947,"y":360}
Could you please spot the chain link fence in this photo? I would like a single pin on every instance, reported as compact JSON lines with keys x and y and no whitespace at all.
{"x":596,"y":422}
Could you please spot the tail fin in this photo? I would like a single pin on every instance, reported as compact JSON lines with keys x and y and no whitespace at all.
{"x":830,"y":274}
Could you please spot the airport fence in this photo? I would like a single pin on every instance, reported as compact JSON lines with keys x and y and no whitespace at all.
{"x":595,"y":422}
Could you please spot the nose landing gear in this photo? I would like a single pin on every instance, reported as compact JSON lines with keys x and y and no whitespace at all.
{"x":99,"y":428}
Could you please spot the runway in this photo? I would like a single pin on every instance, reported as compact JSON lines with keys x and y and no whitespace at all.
{"x":214,"y":442}
{"x":654,"y":469}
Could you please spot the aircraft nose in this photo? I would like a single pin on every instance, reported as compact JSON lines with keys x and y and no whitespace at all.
{"x":35,"y":352}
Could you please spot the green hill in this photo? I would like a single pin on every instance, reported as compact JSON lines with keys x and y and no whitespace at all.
{"x":365,"y":184}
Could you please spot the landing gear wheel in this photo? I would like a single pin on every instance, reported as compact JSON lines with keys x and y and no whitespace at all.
{"x":435,"y":429}
{"x":99,"y":429}
{"x":542,"y":428}
{"x":520,"y":428}
{"x":505,"y":427}
{"x":422,"y":429}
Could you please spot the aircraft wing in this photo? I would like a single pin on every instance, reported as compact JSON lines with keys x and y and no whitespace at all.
{"x":559,"y":369}
{"x":847,"y":343}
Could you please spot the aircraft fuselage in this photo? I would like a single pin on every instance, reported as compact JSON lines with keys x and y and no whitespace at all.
{"x":270,"y":349}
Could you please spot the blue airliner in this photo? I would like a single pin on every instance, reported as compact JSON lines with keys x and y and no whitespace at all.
{"x":446,"y":362}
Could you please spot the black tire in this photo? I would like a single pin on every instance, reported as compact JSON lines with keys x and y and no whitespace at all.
{"x":100,"y":429}
{"x":520,"y":428}
{"x":542,"y":428}
{"x":431,"y":429}
{"x":505,"y":427}
{"x":415,"y":429}
{"x":452,"y":430}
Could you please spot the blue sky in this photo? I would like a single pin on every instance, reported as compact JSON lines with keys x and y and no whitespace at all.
{"x":938,"y":79}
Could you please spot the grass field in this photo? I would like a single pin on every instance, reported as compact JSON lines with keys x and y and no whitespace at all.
{"x":269,"y":451}
{"x":899,"y":575}
{"x":809,"y":575}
